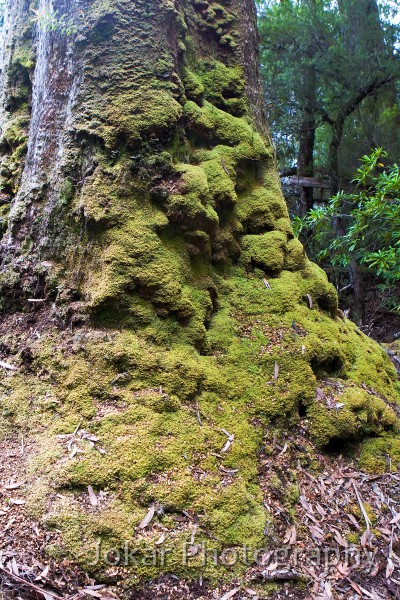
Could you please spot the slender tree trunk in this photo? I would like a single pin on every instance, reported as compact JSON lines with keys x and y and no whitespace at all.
{"x":356,"y":280}
{"x":308,"y":125}
{"x":333,"y":153}
{"x":305,"y":161}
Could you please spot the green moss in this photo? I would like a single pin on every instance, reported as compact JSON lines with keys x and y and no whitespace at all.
{"x":190,"y":208}
{"x":221,"y":176}
{"x":359,"y":414}
{"x":216,"y":124}
{"x":135,"y":116}
{"x":353,"y":538}
{"x":194,"y":87}
{"x":266,"y":251}
{"x":380,"y":455}
{"x":295,"y":256}
{"x":224,"y":86}
{"x":14,"y":139}
{"x":259,"y":208}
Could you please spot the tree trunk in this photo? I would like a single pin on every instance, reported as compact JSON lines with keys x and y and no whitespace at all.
{"x":151,"y":287}
{"x":356,"y":280}
{"x":333,"y":153}
{"x":308,"y":125}
{"x":305,"y":160}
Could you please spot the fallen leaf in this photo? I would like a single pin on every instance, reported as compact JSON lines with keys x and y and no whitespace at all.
{"x":230,"y":435}
{"x":343,"y":569}
{"x":340,"y":539}
{"x":193,"y":549}
{"x":13,"y":486}
{"x":355,"y":587}
{"x":89,"y":436}
{"x":75,"y":450}
{"x":8,"y":525}
{"x":353,"y":520}
{"x":230,"y":594}
{"x":276,"y":371}
{"x":43,"y":574}
{"x":290,"y":536}
{"x":7,"y":366}
{"x":266,"y":283}
{"x":321,"y":511}
{"x":285,"y":447}
{"x":396,"y":519}
{"x":92,"y":496}
{"x":328,"y":591}
{"x":147,"y":519}
{"x":366,"y":538}
{"x":389,"y":567}
{"x":316,"y":532}
{"x":228,"y":444}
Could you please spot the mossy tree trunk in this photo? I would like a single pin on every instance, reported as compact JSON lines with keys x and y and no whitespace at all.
{"x":145,"y":235}
{"x":120,"y":106}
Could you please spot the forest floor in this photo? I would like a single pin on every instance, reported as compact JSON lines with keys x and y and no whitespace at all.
{"x":316,"y":560}
{"x":338,"y":539}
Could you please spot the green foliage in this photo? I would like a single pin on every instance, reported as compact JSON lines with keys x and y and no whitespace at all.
{"x":371,"y":219}
{"x":321,"y":62}
{"x":52,"y":21}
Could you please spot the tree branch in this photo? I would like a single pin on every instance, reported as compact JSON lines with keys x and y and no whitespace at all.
{"x":363,"y":93}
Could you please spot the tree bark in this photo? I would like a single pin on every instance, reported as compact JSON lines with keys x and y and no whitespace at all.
{"x":92,"y":100}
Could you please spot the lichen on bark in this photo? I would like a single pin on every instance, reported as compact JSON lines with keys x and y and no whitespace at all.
{"x":153,"y":227}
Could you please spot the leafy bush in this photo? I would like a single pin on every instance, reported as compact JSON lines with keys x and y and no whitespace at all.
{"x":52,"y":21}
{"x":369,"y":220}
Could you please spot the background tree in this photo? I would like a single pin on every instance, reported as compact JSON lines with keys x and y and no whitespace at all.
{"x":329,"y":61}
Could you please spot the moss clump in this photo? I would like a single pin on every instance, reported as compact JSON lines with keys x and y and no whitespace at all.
{"x":215,"y":124}
{"x":14,"y":141}
{"x":190,"y":208}
{"x":266,"y":251}
{"x":194,"y":88}
{"x":221,"y":176}
{"x":260,"y":208}
{"x":358,"y":414}
{"x":295,"y":258}
{"x":223,"y":86}
{"x":380,"y":455}
{"x":135,"y":116}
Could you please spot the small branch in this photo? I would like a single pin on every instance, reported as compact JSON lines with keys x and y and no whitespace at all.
{"x":345,"y":288}
{"x":366,"y":517}
{"x":31,"y":585}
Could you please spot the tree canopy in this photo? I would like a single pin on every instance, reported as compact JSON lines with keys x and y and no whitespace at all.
{"x":330,"y":69}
